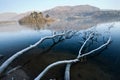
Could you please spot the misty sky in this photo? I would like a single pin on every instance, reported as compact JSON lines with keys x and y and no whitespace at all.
{"x":30,"y":5}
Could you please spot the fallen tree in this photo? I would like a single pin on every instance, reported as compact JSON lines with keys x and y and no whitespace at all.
{"x":62,"y":36}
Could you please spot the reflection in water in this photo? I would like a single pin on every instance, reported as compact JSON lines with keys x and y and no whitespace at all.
{"x":77,"y":24}
{"x":12,"y":42}
{"x":36,"y":26}
{"x":111,"y":56}
{"x":62,"y":25}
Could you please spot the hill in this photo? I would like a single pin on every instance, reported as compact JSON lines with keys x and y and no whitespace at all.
{"x":65,"y":11}
{"x":83,"y":12}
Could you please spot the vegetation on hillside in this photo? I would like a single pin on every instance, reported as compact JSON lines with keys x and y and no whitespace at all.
{"x":36,"y":18}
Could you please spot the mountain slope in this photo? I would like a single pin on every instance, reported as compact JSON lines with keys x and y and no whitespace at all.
{"x":83,"y":13}
{"x":64,"y":11}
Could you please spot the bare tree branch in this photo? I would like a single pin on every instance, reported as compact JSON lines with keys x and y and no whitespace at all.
{"x":65,"y":35}
{"x":9,"y":60}
{"x":52,"y":65}
{"x":69,"y":62}
{"x":67,"y":71}
{"x":105,"y":44}
{"x":80,"y":51}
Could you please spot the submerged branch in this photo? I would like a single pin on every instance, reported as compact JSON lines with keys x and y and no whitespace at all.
{"x":69,"y":62}
{"x":9,"y":60}
{"x":80,"y":51}
{"x":105,"y":44}
{"x":67,"y":71}
{"x":52,"y":65}
{"x":12,"y":70}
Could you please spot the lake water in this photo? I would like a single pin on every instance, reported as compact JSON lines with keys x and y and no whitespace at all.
{"x":15,"y":37}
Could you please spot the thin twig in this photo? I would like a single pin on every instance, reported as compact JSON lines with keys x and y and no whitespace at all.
{"x":12,"y":70}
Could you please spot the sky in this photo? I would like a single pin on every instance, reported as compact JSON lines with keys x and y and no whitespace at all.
{"x":20,"y":6}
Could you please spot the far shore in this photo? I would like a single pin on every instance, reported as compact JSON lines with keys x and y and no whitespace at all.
{"x":8,"y":22}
